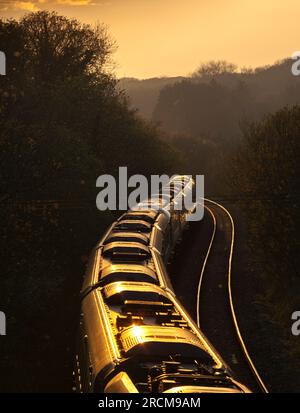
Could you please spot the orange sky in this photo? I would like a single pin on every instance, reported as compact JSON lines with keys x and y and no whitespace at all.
{"x":172,"y":37}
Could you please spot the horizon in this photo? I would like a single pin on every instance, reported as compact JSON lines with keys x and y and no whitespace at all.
{"x":238,"y":70}
{"x":250,"y":35}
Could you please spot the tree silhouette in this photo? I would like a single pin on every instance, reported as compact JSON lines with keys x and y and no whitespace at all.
{"x":214,"y":68}
{"x":63,"y":122}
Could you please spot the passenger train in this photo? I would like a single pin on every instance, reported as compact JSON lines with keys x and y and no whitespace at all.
{"x":134,"y":335}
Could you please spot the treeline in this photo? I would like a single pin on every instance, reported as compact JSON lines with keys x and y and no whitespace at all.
{"x":205,"y":112}
{"x":245,"y":93}
{"x":241,"y":129}
{"x":264,"y":172}
{"x":63,"y":122}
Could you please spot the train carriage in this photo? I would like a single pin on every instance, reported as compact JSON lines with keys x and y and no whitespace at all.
{"x":134,"y":335}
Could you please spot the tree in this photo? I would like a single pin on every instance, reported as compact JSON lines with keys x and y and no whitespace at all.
{"x":214,"y":68}
{"x":57,"y":47}
{"x":265,"y":172}
{"x":63,"y":122}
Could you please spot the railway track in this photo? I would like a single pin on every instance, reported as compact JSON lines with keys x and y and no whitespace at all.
{"x":129,"y":310}
{"x":223,"y":224}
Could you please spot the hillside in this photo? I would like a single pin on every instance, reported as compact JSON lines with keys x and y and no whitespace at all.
{"x":214,"y":104}
{"x":143,"y":94}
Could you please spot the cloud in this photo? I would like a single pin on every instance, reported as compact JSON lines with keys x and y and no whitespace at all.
{"x":75,"y":2}
{"x":34,"y":5}
{"x":25,"y":5}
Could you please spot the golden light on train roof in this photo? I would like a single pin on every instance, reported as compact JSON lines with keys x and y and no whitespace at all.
{"x":137,"y":332}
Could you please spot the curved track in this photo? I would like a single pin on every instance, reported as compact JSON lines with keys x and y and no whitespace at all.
{"x":205,"y":262}
{"x":220,"y":225}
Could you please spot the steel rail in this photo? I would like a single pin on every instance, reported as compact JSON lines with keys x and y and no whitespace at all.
{"x":232,"y":309}
{"x":205,"y":262}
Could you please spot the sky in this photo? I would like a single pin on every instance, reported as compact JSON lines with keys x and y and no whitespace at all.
{"x":173,"y":37}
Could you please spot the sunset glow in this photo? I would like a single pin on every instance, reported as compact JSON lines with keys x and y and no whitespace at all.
{"x":172,"y":37}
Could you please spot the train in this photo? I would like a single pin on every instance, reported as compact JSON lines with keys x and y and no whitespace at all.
{"x":134,"y":335}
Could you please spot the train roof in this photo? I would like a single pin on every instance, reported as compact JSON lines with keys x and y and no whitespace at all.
{"x":145,"y":215}
{"x":127,"y":237}
{"x":126,"y":252}
{"x":134,"y":225}
{"x":143,"y":339}
{"x":127,"y":294}
{"x":127,"y":272}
